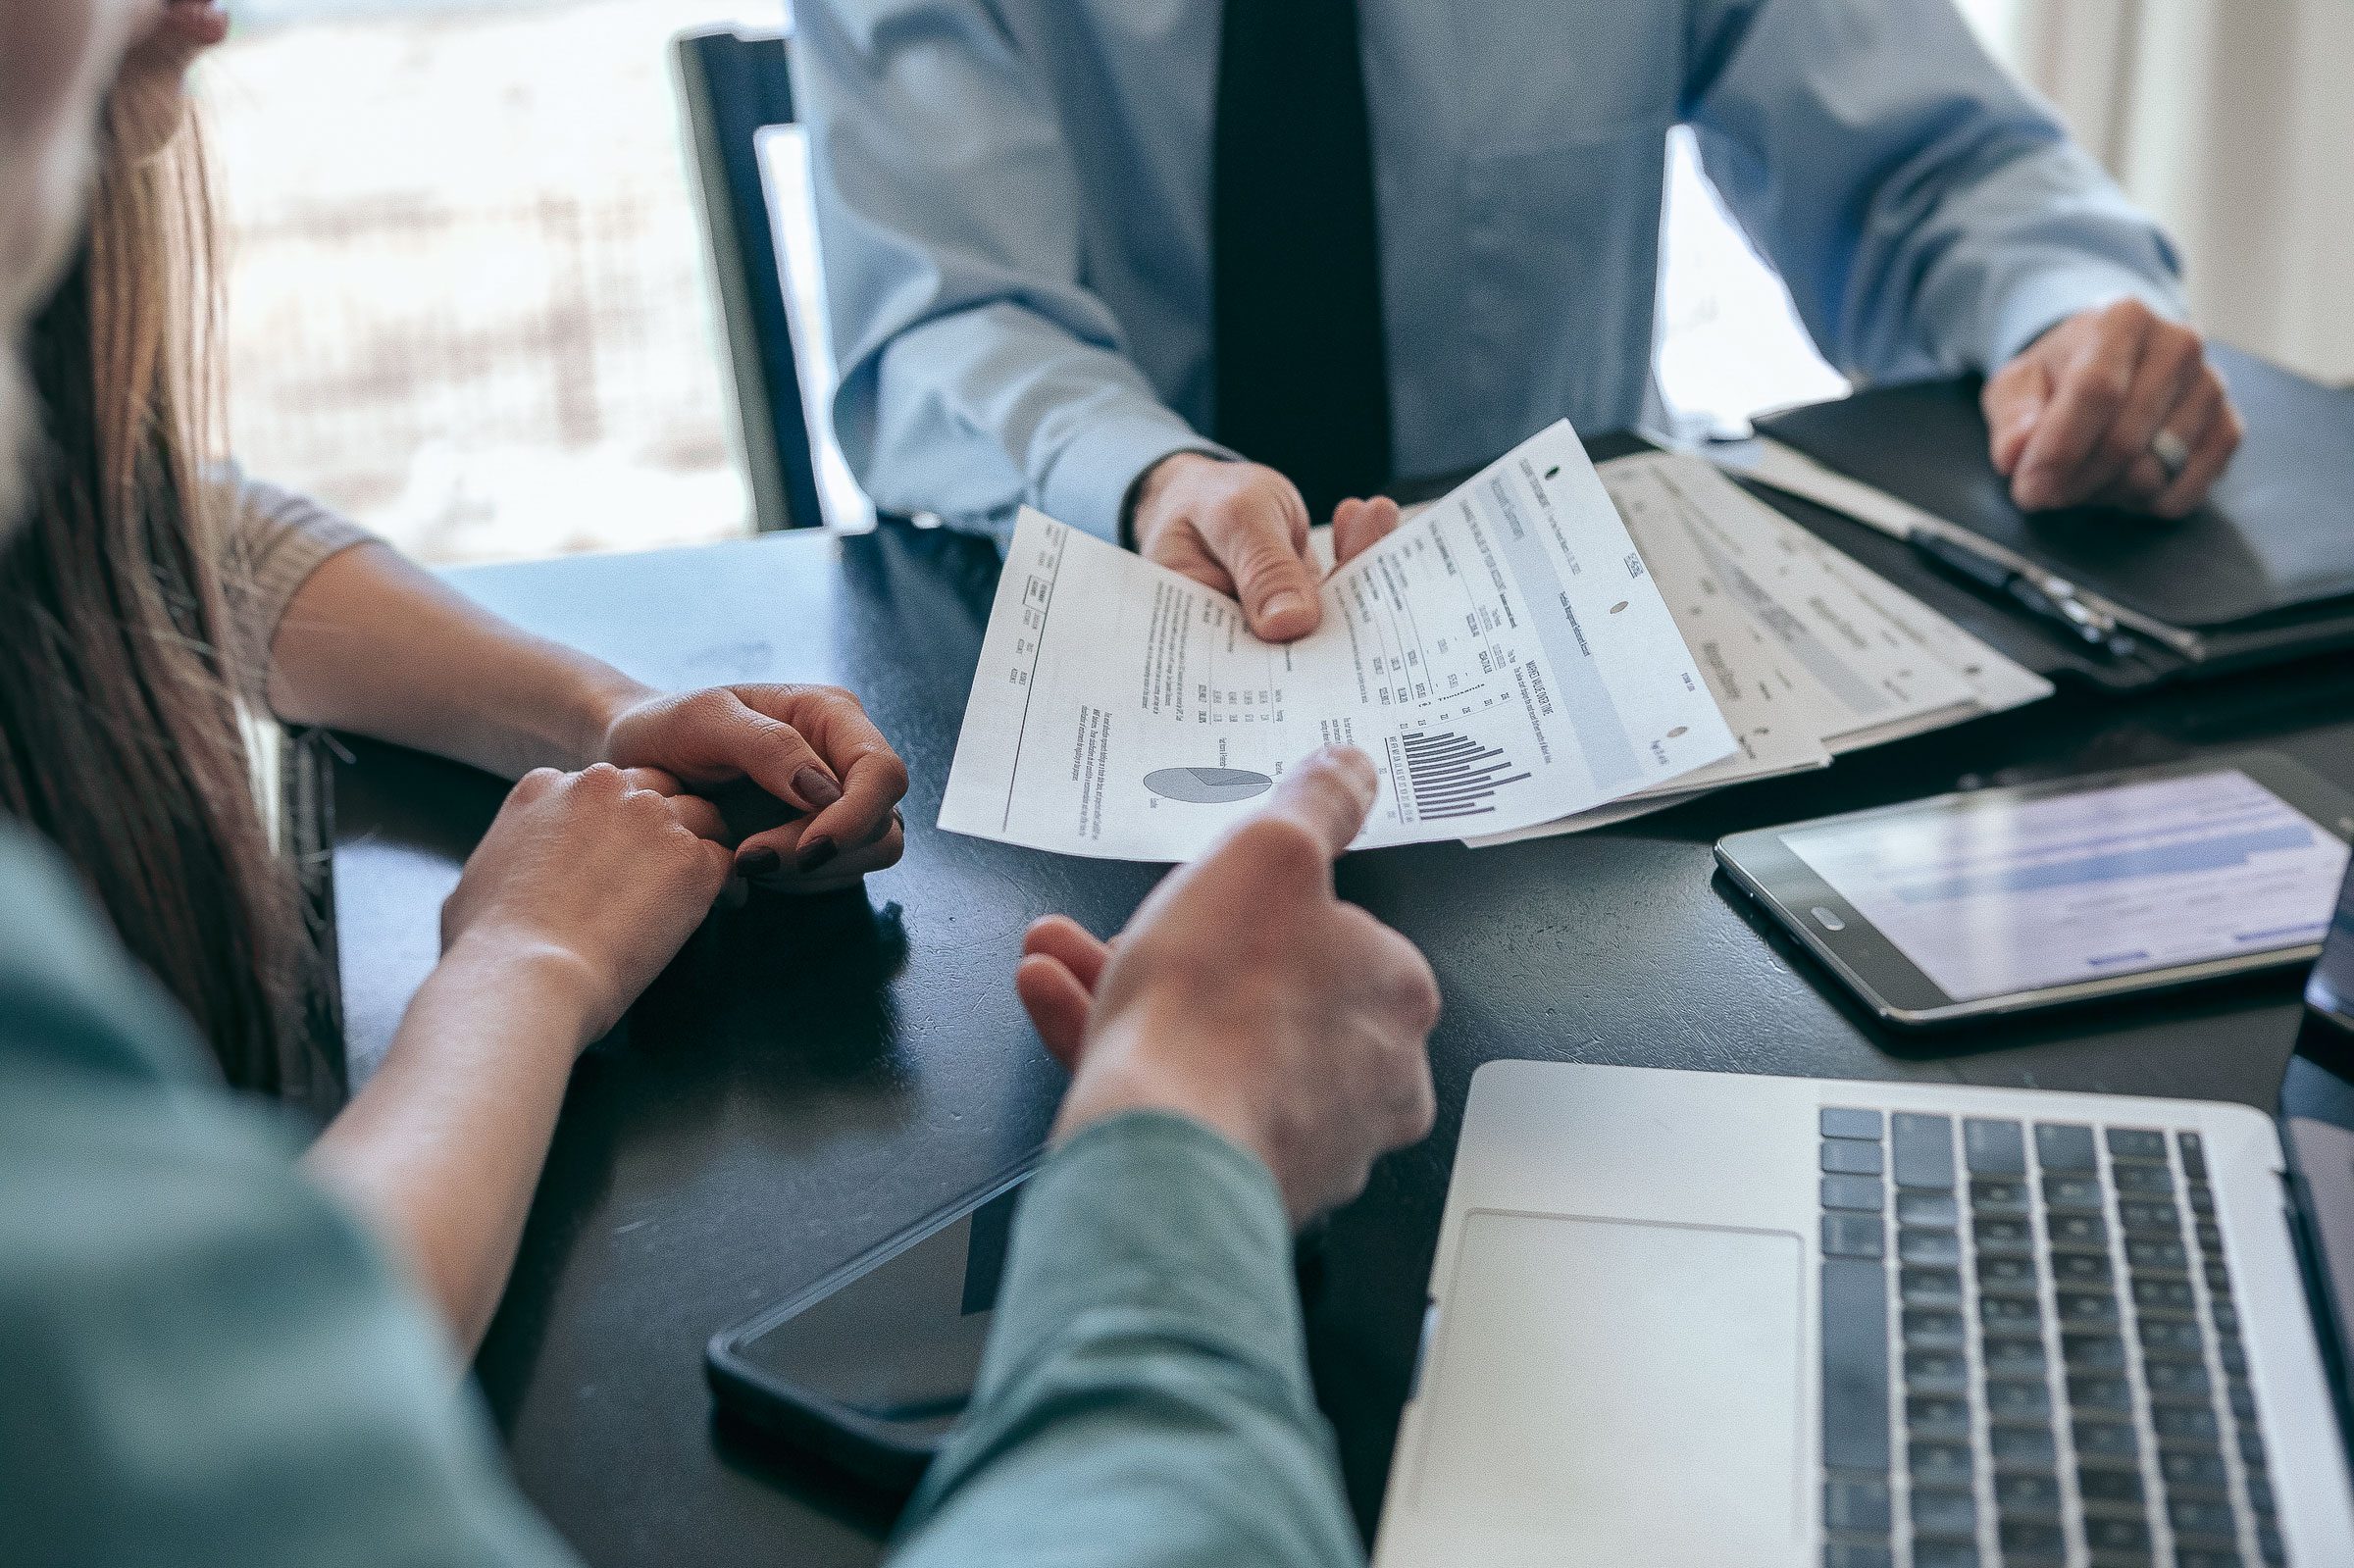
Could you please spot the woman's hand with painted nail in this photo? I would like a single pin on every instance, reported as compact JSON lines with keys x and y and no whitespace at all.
{"x":812,"y":749}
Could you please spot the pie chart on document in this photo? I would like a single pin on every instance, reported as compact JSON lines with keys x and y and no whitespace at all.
{"x":1206,"y":787}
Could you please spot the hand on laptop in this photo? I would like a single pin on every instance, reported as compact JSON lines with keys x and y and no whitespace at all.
{"x":1245,"y":995}
{"x":2113,"y":407}
{"x":1242,"y":528}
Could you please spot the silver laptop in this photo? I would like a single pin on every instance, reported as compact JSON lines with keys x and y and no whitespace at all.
{"x":1686,"y":1319}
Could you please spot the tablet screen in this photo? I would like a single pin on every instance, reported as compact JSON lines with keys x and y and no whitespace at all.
{"x":2011,"y":894}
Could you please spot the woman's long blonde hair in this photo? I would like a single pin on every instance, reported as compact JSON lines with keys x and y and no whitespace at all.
{"x":119,"y":657}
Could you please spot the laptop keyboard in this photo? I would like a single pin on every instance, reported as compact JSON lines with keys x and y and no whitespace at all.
{"x":2031,"y":1352}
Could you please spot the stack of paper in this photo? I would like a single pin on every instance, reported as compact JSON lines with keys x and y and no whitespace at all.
{"x":1808,"y":654}
{"x":1506,"y":659}
{"x":1546,"y":650}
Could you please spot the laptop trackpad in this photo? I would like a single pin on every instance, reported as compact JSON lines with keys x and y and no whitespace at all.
{"x":1626,"y":1383}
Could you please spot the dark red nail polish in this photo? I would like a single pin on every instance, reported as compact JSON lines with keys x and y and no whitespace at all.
{"x":816,"y":788}
{"x":761,"y":862}
{"x":815,"y":854}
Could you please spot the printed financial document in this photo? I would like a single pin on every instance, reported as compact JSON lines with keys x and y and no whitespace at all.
{"x":1808,"y":654}
{"x":1504,"y":658}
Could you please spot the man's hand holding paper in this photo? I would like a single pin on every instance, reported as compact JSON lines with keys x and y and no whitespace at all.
{"x":1242,"y":529}
{"x":1506,"y":659}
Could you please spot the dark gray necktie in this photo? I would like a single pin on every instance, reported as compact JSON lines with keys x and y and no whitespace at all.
{"x":1302,"y":374}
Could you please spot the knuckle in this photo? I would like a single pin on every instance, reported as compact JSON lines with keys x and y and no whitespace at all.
{"x":1419,"y":1110}
{"x":1412,"y":989}
{"x":1427,"y":1000}
{"x":1279,"y":846}
{"x":1261,"y":558}
{"x":785,"y":738}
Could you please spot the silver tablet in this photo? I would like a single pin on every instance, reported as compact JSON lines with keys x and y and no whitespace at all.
{"x":2004,"y":900}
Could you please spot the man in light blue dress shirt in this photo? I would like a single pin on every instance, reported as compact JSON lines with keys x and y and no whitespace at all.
{"x":1020,"y":205}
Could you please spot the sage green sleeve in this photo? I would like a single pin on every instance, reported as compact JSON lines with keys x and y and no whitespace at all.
{"x":209,"y":1363}
{"x":204,"y":1361}
{"x":1144,"y":1400}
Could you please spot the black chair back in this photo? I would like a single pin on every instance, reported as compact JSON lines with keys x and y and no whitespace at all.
{"x":733,"y":85}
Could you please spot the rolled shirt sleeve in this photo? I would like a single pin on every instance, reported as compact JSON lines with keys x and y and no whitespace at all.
{"x":273,"y":541}
{"x":1145,"y":1399}
{"x":1928,"y":214}
{"x":978,"y":371}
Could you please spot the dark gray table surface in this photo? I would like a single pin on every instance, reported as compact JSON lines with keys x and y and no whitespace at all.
{"x":810,"y":1077}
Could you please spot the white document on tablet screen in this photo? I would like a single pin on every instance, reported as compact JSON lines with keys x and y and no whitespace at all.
{"x":1504,"y":658}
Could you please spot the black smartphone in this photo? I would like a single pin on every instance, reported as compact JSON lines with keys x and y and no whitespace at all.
{"x":869,"y":1369}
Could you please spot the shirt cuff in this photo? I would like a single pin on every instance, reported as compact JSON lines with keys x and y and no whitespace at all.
{"x":1090,"y":478}
{"x":1151,"y":1223}
{"x":2050,"y":295}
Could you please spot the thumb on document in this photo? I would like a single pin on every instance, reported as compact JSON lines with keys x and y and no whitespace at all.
{"x":1272,"y":576}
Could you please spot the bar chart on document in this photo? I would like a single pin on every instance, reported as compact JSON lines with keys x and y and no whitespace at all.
{"x":1457,"y":707}
{"x":1503,"y":659}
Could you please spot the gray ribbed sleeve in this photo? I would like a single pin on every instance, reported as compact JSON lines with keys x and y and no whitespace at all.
{"x":274,"y":540}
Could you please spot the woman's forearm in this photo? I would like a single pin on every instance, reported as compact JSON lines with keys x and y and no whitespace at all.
{"x":443,"y":1147}
{"x":375,"y":644}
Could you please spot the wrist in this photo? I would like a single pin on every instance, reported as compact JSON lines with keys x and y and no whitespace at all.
{"x":1173,"y":1067}
{"x":604,"y":699}
{"x":558,"y":987}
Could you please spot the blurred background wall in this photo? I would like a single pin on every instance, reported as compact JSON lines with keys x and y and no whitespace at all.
{"x":2233,"y":122}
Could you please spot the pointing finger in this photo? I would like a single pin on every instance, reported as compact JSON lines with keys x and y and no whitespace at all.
{"x":1330,"y":794}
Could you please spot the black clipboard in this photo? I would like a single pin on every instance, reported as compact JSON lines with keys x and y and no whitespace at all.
{"x":2263,"y":573}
